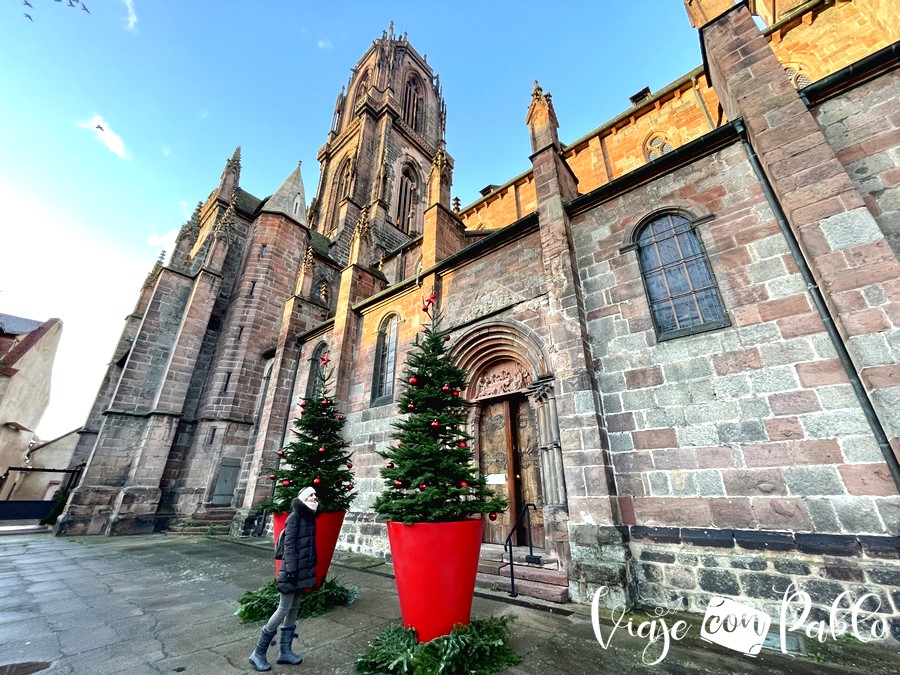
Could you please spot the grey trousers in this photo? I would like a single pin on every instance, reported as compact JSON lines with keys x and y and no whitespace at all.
{"x":288,"y":608}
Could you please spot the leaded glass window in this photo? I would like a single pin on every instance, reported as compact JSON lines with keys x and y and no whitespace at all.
{"x":385,"y":360}
{"x":657,"y":146}
{"x":680,"y":286}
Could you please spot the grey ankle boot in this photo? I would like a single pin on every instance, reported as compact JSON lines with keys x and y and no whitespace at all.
{"x":285,"y":655}
{"x":258,"y":657}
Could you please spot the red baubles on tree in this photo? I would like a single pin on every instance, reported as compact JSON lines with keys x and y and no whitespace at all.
{"x":463,"y":444}
{"x":317,"y":454}
{"x":492,"y":515}
{"x":398,"y":483}
{"x":447,"y":337}
{"x":414,"y":380}
{"x":272,"y":476}
{"x":446,"y":387}
{"x":349,"y":486}
{"x":411,"y":406}
{"x":390,"y":465}
{"x":463,"y":484}
{"x":455,"y":394}
{"x":435,"y":424}
{"x":349,"y":465}
{"x":422,"y":486}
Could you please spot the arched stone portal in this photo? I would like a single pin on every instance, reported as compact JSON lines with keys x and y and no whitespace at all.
{"x":513,"y":420}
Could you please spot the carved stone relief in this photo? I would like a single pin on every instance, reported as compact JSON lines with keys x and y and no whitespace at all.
{"x":503,"y":378}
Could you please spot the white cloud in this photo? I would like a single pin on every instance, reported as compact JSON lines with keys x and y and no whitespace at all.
{"x":104,"y":134}
{"x":325,"y":44}
{"x":131,"y":21}
{"x":164,"y":241}
{"x":63,"y":269}
{"x":166,"y":151}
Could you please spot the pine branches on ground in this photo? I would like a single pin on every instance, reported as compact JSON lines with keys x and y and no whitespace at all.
{"x":260,"y":604}
{"x":480,"y":649}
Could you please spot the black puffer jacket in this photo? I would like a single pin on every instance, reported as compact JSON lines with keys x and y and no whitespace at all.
{"x":298,"y":564}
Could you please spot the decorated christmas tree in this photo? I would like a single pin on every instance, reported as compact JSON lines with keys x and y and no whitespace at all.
{"x":318,"y":456}
{"x":429,"y":476}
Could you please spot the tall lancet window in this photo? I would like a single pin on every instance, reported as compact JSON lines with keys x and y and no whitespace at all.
{"x":385,"y":361}
{"x":406,"y":206}
{"x":361,"y":90}
{"x":343,"y":190}
{"x":412,"y":102}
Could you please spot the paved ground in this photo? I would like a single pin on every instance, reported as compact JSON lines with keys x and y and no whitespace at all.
{"x":165,"y":604}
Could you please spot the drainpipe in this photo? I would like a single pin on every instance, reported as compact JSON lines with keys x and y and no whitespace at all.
{"x":702,"y":102}
{"x":816,"y":294}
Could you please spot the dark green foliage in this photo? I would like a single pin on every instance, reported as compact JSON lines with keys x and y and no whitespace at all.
{"x":260,"y":604}
{"x":302,"y":463}
{"x":479,"y":648}
{"x":430,"y":475}
{"x":58,"y":505}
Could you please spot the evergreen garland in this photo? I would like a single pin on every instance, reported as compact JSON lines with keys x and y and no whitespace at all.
{"x":318,"y":455}
{"x":260,"y":604}
{"x":479,"y":648}
{"x":429,"y":476}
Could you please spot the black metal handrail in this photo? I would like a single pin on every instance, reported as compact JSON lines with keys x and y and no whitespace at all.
{"x":530,"y":558}
{"x":71,"y":482}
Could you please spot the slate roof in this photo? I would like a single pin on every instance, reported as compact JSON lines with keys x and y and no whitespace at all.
{"x":16,"y":325}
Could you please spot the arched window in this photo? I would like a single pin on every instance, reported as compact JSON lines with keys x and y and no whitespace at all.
{"x":680,"y":286}
{"x":263,"y":390}
{"x":412,"y":102}
{"x":298,"y":204}
{"x":406,"y":207}
{"x":385,"y":361}
{"x":798,"y":75}
{"x":657,"y":146}
{"x":313,"y":385}
{"x":361,"y":90}
{"x":345,"y":178}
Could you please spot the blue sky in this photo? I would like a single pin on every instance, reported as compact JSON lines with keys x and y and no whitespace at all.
{"x":178,"y":85}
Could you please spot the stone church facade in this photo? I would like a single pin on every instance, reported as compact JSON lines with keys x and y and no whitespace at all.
{"x":682,"y":330}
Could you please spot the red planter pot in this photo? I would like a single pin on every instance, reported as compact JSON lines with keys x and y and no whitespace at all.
{"x":435,"y":566}
{"x":328,"y":527}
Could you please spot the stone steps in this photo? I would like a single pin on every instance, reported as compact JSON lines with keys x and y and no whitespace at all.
{"x":553,"y":577}
{"x":545,"y":581}
{"x":532,"y":589}
{"x":200,"y":528}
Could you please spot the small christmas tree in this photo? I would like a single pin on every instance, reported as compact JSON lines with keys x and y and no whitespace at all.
{"x":318,"y":456}
{"x":429,"y":475}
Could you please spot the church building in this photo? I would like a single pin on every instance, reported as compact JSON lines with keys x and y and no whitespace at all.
{"x":681,"y":330}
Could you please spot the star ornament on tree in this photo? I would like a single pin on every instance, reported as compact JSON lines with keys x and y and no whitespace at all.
{"x":325,"y":360}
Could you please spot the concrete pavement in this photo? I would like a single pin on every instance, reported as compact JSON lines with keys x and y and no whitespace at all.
{"x":165,"y":604}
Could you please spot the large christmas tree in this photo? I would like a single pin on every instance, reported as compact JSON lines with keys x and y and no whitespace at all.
{"x":318,"y":456}
{"x":429,"y":476}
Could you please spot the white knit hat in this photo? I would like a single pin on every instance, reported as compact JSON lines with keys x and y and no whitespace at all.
{"x":306,"y":493}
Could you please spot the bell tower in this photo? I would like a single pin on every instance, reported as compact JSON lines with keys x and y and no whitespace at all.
{"x":388,"y":125}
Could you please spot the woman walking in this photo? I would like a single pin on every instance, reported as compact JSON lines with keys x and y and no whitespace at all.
{"x":297,"y":551}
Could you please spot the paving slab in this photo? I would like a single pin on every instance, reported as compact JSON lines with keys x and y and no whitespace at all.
{"x":159,"y":604}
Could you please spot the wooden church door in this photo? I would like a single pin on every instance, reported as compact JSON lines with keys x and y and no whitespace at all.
{"x":509,"y":459}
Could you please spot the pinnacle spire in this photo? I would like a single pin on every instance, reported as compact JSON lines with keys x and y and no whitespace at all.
{"x":289,"y":199}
